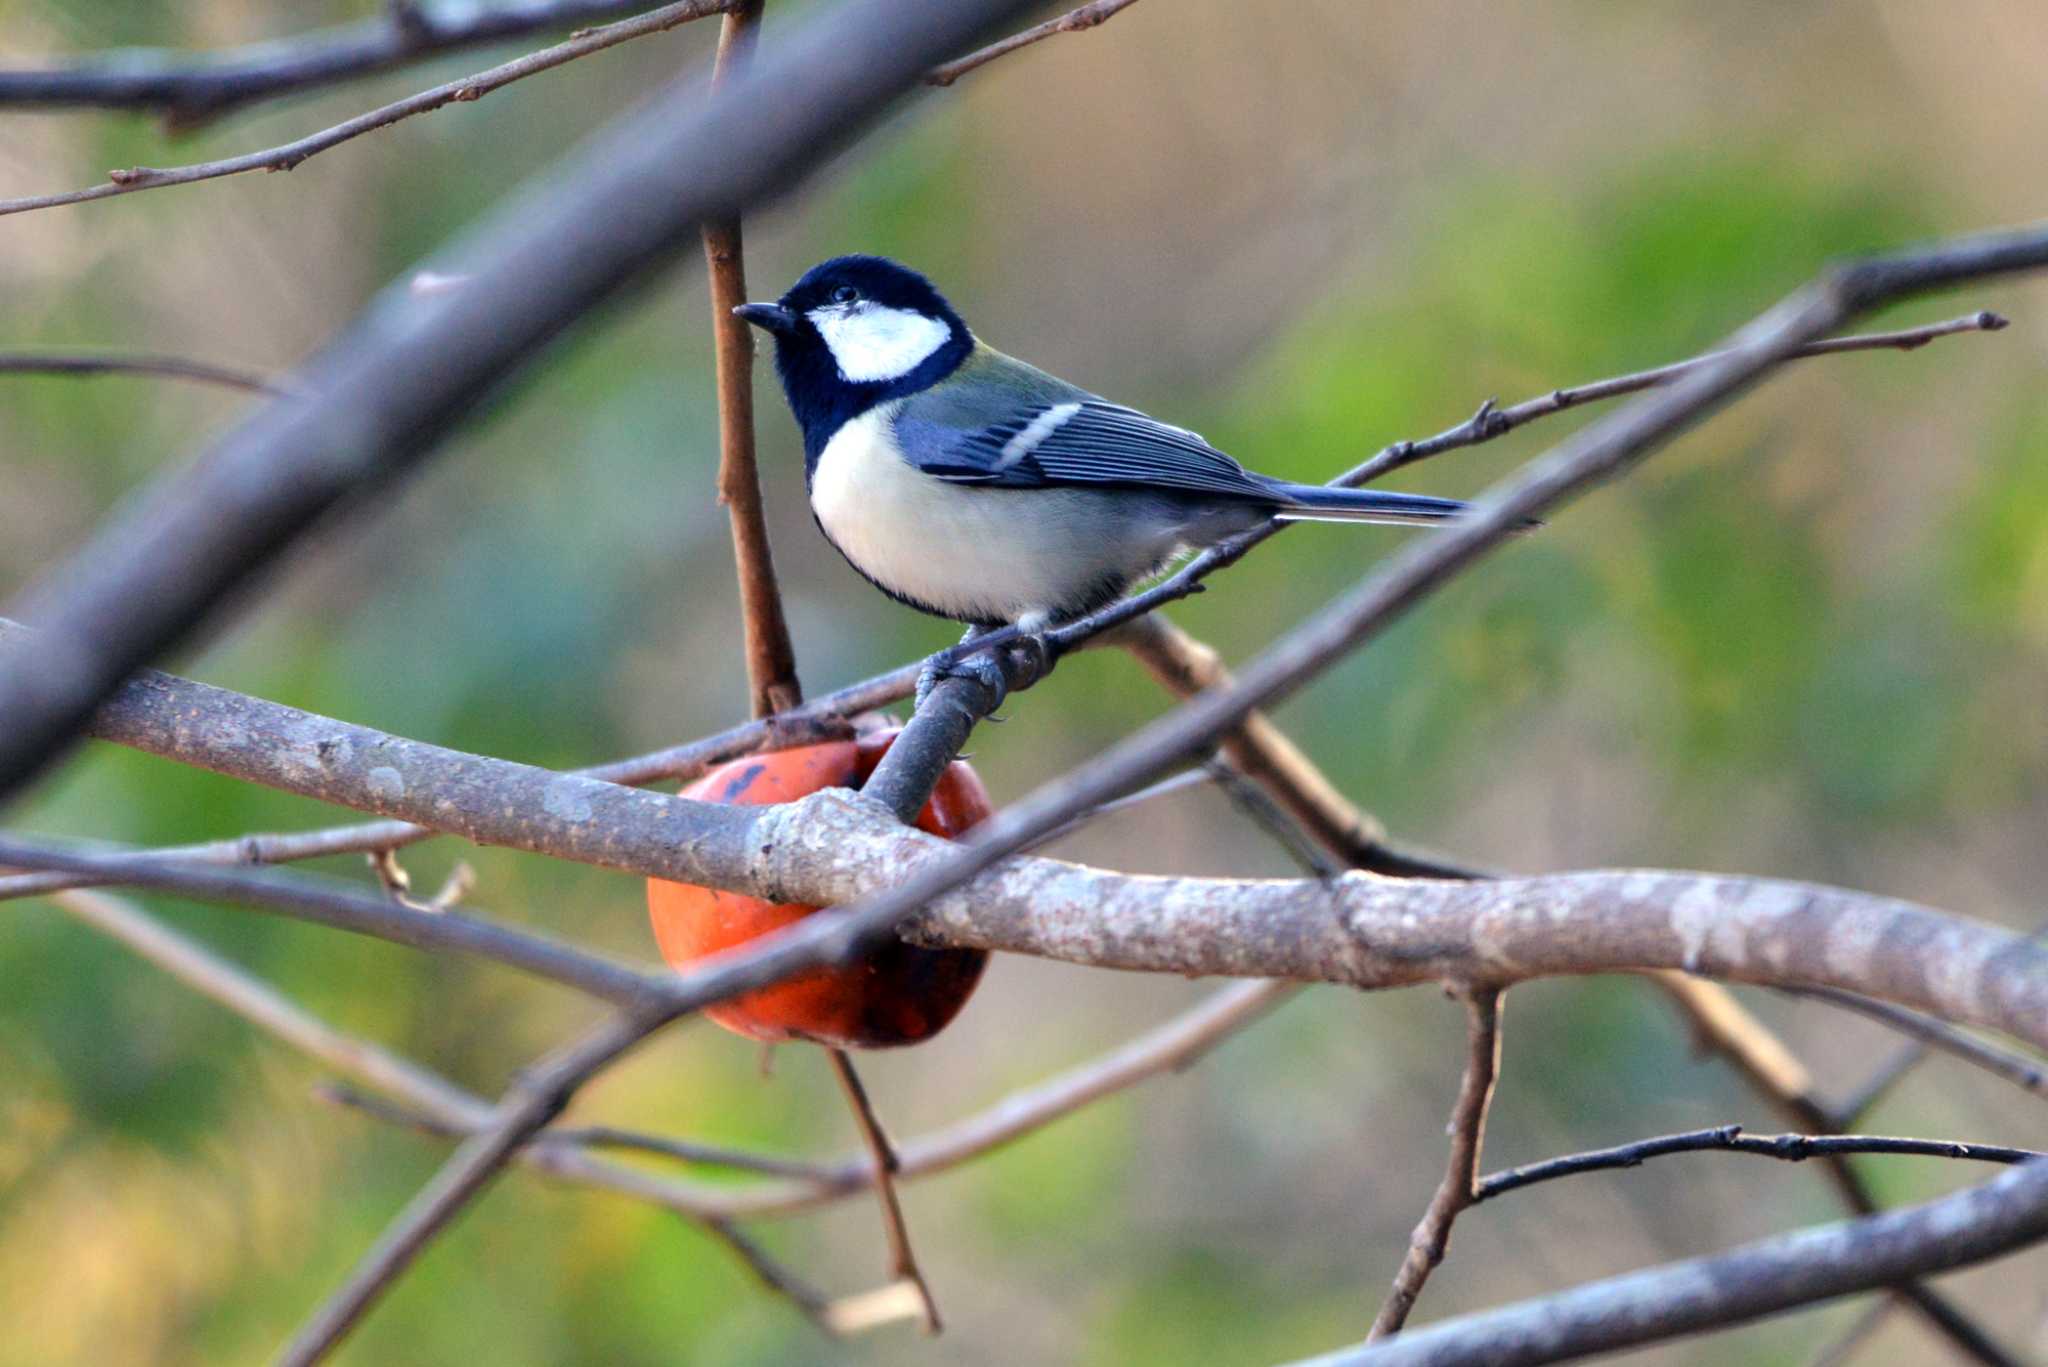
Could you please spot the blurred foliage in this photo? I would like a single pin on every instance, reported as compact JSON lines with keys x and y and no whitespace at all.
{"x":1807,"y":640}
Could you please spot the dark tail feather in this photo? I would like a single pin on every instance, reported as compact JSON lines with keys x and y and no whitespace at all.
{"x":1320,"y":503}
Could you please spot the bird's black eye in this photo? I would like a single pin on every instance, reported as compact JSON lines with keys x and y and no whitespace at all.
{"x":845,"y":294}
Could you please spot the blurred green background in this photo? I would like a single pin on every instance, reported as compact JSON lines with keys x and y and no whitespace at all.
{"x":1808,"y":640}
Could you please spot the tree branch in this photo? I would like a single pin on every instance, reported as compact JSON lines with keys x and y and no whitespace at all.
{"x":91,"y":363}
{"x":1074,"y":21}
{"x":1757,"y":1279}
{"x":1459,"y":1189}
{"x":2021,"y":1071}
{"x":287,"y":156}
{"x":1789,"y":1148}
{"x":142,"y":715}
{"x":192,"y":88}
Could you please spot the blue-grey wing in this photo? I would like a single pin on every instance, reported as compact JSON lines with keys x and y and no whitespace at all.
{"x":1074,"y":441}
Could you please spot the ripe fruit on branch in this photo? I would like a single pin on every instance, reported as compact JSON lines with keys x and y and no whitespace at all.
{"x":901,"y":994}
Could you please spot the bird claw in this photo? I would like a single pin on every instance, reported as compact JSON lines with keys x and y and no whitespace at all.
{"x":992,"y":669}
{"x":984,"y":669}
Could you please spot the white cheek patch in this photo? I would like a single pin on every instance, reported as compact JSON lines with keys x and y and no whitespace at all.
{"x":871,"y":343}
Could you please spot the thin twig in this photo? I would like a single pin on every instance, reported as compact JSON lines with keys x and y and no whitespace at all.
{"x":1432,"y":1236}
{"x":1074,"y":21}
{"x":902,"y":1259}
{"x":773,"y":1274}
{"x":1790,"y":1148}
{"x":92,"y":363}
{"x":190,"y":88}
{"x":287,"y":156}
{"x":1839,"y":1350}
{"x":2023,"y":1072}
{"x":682,"y":1150}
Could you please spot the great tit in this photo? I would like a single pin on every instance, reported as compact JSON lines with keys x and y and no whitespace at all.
{"x":967,"y":484}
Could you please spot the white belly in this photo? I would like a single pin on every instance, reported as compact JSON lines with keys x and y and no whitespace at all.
{"x":976,"y":554}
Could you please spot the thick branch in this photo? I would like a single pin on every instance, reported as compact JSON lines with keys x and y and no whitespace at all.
{"x":1757,"y":1279}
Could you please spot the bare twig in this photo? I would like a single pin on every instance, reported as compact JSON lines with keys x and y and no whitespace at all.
{"x":1845,"y":1346}
{"x":772,"y":1274}
{"x":1757,"y":1279}
{"x":1074,"y":21}
{"x":92,"y":363}
{"x":1170,"y":1047}
{"x":902,"y":1260}
{"x":2023,"y":1072}
{"x":1490,"y":422}
{"x":190,"y":88}
{"x":1459,"y":1189}
{"x":1790,"y":1148}
{"x":287,"y":156}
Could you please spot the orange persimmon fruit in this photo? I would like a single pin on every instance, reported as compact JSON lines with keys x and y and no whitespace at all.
{"x":901,"y":994}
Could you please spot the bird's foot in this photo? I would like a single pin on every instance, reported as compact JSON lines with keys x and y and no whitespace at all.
{"x":984,"y":669}
{"x":1024,"y":657}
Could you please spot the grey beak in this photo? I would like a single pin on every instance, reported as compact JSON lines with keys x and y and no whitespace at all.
{"x":768,"y":317}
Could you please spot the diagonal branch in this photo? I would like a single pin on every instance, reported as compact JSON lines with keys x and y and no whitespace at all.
{"x":1788,"y":1148}
{"x":1074,"y":21}
{"x":287,"y":156}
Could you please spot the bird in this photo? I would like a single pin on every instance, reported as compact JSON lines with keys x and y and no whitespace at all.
{"x":970,"y":485}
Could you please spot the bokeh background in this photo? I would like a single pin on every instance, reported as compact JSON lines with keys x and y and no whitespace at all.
{"x":1809,"y":640}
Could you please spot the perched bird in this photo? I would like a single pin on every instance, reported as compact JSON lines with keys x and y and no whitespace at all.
{"x":970,"y":485}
